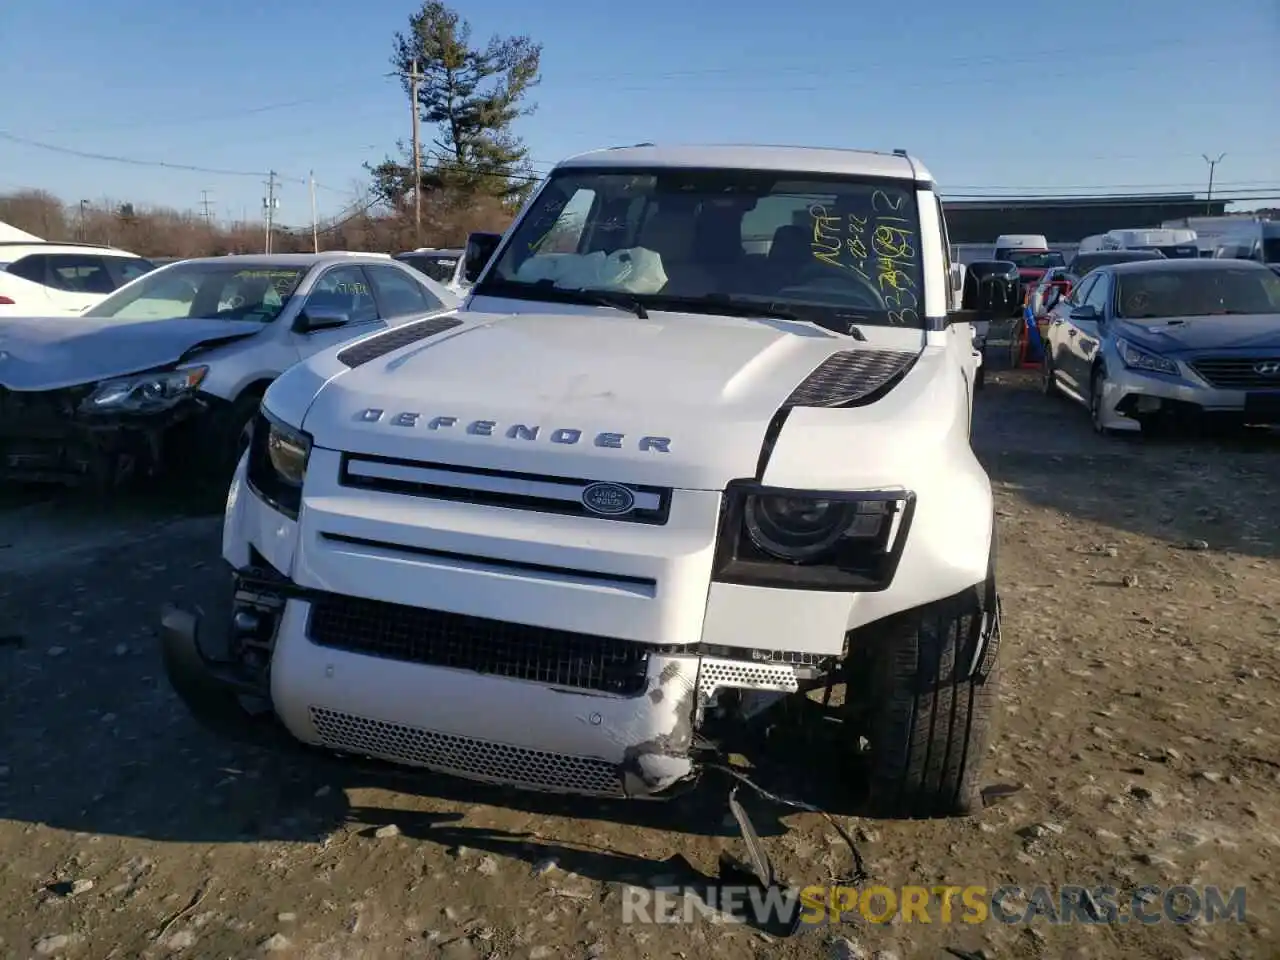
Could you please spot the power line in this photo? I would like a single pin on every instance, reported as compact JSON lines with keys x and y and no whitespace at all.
{"x":134,"y":161}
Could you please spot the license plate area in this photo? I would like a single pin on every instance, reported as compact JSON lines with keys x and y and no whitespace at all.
{"x":1262,"y":407}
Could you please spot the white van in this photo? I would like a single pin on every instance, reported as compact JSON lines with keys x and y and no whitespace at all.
{"x":1009,"y":242}
{"x":1255,"y":239}
{"x":1174,"y":243}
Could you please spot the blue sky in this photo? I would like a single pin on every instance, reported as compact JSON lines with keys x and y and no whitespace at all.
{"x":1013,"y":97}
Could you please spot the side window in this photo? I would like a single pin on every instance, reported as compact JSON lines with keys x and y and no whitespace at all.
{"x":30,"y":268}
{"x":344,"y":290}
{"x":1082,"y":290}
{"x":80,"y":274}
{"x":400,"y":294}
{"x":127,"y":269}
{"x":1098,"y":295}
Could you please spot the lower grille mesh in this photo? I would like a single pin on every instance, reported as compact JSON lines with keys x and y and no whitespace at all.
{"x":478,"y":759}
{"x":414,"y":635}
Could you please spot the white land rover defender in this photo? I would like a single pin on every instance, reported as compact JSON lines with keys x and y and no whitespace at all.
{"x":698,"y":439}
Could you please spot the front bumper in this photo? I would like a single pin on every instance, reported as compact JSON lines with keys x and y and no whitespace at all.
{"x":43,"y":439}
{"x":552,"y":735}
{"x":1130,"y":396}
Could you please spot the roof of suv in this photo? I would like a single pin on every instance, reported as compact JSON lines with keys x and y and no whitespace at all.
{"x":864,"y":163}
{"x":12,"y":249}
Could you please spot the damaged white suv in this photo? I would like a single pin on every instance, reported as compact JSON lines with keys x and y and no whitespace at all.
{"x":698,"y":439}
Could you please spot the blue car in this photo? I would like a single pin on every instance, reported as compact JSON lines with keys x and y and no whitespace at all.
{"x":1145,"y":343}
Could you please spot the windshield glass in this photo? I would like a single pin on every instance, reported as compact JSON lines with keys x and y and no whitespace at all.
{"x":1271,"y":249}
{"x":1194,"y":293}
{"x":208,"y":290}
{"x":1035,"y":259}
{"x":831,"y":250}
{"x":437,"y":266}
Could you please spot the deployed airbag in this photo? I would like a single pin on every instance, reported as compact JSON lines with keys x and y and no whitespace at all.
{"x":632,"y":270}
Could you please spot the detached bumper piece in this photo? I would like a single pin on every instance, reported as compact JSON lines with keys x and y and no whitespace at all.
{"x":219,"y":666}
{"x":43,"y":439}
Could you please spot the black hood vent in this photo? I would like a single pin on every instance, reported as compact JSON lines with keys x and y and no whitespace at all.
{"x":851,"y":378}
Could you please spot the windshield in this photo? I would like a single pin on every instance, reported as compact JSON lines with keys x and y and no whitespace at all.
{"x":1271,"y":249}
{"x":832,"y":250}
{"x":204,"y":289}
{"x":1035,"y":259}
{"x":1194,"y":293}
{"x":437,"y":266}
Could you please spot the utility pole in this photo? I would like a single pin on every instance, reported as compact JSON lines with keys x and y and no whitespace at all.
{"x":315,"y":228}
{"x":1208,"y":199}
{"x":269,"y":204}
{"x":415,"y":78}
{"x":205,"y":209}
{"x":83,"y":206}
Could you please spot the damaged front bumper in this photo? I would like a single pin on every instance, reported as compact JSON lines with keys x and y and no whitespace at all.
{"x":45,"y":438}
{"x":266,"y":668}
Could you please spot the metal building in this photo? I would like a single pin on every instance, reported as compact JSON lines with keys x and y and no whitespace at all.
{"x":1069,"y":219}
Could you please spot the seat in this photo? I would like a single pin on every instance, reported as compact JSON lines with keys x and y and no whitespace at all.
{"x":788,"y":254}
{"x":670,"y":234}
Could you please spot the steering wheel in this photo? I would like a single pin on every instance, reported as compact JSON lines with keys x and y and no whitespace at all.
{"x":824,"y":278}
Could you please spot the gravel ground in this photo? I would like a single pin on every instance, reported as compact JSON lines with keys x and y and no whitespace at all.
{"x":1136,"y":744}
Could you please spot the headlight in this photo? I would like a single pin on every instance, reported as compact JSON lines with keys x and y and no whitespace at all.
{"x":277,"y":466}
{"x":810,"y":539}
{"x":1137,"y":359}
{"x":144,"y":393}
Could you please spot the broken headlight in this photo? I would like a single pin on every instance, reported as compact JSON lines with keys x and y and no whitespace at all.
{"x":144,"y":393}
{"x":803,"y":539}
{"x":277,"y":466}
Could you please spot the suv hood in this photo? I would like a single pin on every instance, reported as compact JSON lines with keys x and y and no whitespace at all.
{"x":1192,"y":334}
{"x":708,"y":385}
{"x":49,"y":353}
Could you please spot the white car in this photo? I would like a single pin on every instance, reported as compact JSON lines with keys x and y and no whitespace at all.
{"x":62,"y":279}
{"x":171,"y":368}
{"x":642,"y":485}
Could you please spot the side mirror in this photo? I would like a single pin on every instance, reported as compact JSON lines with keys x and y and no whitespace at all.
{"x":480,"y":249}
{"x":320,"y":318}
{"x":1086,"y":312}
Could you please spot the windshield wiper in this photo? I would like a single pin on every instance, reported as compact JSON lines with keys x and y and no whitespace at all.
{"x":619,"y":300}
{"x":608,"y":298}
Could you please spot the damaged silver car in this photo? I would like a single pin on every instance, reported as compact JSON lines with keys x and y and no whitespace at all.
{"x":171,"y":368}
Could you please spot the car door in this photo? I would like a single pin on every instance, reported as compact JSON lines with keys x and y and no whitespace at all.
{"x":345,"y":289}
{"x":1059,"y":331}
{"x":1083,"y":334}
{"x":401,"y":296}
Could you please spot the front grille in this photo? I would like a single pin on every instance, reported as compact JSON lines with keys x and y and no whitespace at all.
{"x":465,"y":756}
{"x":1240,"y":374}
{"x":42,"y":413}
{"x":494,"y":647}
{"x":498,"y":488}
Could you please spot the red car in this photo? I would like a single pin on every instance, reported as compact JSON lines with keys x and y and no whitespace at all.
{"x":1032,"y":264}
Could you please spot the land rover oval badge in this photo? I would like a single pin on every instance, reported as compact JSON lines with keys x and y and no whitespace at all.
{"x":609,"y":499}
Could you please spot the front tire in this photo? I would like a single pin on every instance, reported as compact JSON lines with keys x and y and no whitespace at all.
{"x":932,"y":686}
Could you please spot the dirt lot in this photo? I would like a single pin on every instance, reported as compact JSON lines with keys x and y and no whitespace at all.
{"x":1142,"y":620}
